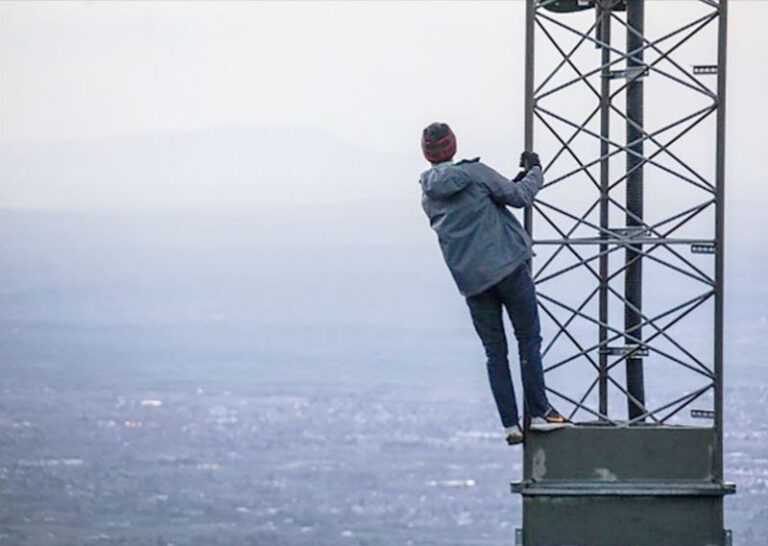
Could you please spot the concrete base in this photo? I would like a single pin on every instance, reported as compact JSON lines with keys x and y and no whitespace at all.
{"x":601,"y":486}
{"x":625,"y":521}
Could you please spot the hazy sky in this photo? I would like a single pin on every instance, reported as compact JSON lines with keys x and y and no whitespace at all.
{"x":369,"y":72}
{"x":372,"y":73}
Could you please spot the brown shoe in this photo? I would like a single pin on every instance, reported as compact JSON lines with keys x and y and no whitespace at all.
{"x":551,"y":420}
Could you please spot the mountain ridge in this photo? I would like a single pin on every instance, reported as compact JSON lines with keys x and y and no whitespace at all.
{"x":230,"y":167}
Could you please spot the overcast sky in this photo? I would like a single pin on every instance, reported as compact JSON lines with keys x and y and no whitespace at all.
{"x":371,"y":73}
{"x":368,"y":72}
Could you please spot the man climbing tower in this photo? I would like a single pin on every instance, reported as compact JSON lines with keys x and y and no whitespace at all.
{"x":486,"y":250}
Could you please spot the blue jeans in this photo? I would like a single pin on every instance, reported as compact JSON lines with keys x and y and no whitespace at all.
{"x":517,"y":294}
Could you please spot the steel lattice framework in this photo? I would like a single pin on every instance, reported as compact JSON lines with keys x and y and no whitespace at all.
{"x":632,"y":198}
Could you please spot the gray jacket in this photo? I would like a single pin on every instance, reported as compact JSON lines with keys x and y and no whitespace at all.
{"x":481,"y":240}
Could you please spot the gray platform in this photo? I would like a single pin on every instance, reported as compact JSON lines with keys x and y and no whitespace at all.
{"x":596,"y":485}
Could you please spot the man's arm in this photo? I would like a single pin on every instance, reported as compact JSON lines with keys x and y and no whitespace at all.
{"x":516,"y":194}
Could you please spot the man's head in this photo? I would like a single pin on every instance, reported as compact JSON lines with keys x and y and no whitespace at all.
{"x":438,"y":143}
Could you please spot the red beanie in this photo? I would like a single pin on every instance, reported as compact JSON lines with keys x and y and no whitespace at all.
{"x":438,"y":143}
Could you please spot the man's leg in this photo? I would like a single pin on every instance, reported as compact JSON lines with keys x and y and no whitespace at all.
{"x":519,"y":297}
{"x":485,"y":309}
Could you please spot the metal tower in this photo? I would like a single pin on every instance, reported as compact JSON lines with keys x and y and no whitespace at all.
{"x":625,"y":102}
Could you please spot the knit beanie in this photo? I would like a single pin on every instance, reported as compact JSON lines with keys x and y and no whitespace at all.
{"x":438,"y":142}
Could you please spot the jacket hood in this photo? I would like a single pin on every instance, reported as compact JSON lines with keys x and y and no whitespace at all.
{"x":443,"y":181}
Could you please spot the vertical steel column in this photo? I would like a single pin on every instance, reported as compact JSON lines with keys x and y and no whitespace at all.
{"x":604,"y":19}
{"x":720,"y":234}
{"x":530,"y":14}
{"x":633,"y":277}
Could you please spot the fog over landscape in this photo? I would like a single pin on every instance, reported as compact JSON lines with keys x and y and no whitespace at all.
{"x":298,"y":374}
{"x":221,"y":328}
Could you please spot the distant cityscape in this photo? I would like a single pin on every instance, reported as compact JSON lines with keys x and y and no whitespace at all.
{"x":291,"y":468}
{"x":166,"y":382}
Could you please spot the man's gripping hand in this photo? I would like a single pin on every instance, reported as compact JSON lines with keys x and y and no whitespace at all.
{"x":529,"y":160}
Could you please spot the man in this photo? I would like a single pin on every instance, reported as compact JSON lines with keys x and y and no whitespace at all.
{"x":486,"y":250}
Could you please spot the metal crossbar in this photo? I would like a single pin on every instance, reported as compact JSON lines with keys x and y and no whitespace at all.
{"x":622,"y":56}
{"x":703,"y":114}
{"x":578,"y":243}
{"x":690,"y":304}
{"x":628,"y":335}
{"x":640,"y":253}
{"x":567,"y":59}
{"x":627,"y":149}
{"x":624,"y":301}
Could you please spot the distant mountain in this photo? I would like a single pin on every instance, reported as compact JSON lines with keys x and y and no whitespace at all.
{"x":212,"y":169}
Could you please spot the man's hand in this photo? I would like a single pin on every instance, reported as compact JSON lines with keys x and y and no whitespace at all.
{"x":528,"y":160}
